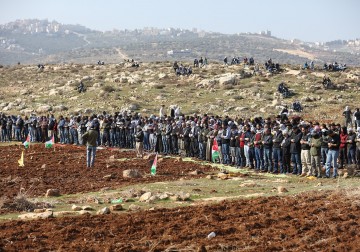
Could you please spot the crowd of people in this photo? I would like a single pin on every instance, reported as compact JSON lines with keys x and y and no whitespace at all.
{"x":277,"y":145}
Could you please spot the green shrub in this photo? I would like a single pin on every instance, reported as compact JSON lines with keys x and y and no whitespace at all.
{"x":108,"y":89}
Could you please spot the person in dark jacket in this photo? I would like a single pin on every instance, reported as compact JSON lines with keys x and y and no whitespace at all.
{"x":277,"y":153}
{"x":90,"y":138}
{"x":333,"y":154}
{"x":267,"y":142}
{"x":286,"y":155}
{"x":139,"y":141}
{"x":295,"y":149}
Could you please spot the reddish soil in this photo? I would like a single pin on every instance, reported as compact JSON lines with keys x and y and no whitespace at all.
{"x":64,"y":168}
{"x":309,"y":222}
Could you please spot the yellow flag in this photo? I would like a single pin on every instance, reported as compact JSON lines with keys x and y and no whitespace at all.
{"x":21,"y":160}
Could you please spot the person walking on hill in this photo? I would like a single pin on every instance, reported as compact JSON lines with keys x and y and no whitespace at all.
{"x":90,"y":138}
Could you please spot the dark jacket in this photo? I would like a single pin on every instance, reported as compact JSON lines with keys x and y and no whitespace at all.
{"x":90,"y":137}
{"x":139,"y":136}
{"x":295,"y":146}
{"x":277,"y":139}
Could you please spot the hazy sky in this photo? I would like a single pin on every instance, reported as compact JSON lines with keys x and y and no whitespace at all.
{"x":308,"y":20}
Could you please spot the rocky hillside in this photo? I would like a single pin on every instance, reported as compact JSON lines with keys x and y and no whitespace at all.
{"x":49,"y":42}
{"x":216,"y":88}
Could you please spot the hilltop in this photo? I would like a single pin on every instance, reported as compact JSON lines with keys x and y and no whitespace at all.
{"x":49,"y":42}
{"x":216,"y":89}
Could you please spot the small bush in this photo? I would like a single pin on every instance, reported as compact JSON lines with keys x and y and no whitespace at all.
{"x":108,"y":89}
{"x":238,"y":97}
{"x":227,"y":87}
{"x":159,"y":86}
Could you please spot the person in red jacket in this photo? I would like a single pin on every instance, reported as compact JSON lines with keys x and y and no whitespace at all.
{"x":343,"y":147}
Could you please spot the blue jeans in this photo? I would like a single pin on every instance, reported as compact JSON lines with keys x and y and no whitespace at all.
{"x":259,"y":158}
{"x":165,"y":145}
{"x":277,"y":159}
{"x":238,"y":156}
{"x":66,"y":136}
{"x":332,"y":160}
{"x":268,"y":159}
{"x":324,"y":152}
{"x":295,"y":157}
{"x":351,"y":155}
{"x":90,"y":156}
{"x":74,"y":135}
{"x":146,"y":141}
{"x":3,"y":135}
{"x":225,"y":152}
{"x":201,"y":150}
{"x":112,"y":138}
{"x":18,"y":134}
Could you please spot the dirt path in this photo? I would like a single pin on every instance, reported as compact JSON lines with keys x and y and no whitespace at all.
{"x":121,"y":54}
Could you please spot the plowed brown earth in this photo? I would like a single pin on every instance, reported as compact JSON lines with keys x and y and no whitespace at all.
{"x":64,"y":168}
{"x":309,"y":222}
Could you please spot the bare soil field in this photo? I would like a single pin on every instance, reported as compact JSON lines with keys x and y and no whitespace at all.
{"x":307,"y":222}
{"x":64,"y":168}
{"x":318,"y":220}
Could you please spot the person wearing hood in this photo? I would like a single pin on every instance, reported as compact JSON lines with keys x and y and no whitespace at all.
{"x":90,"y":138}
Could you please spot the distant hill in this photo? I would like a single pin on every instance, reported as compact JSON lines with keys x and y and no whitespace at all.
{"x":41,"y":41}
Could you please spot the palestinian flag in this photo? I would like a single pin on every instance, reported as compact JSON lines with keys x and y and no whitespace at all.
{"x":153,"y":167}
{"x":50,"y":143}
{"x":215,"y":151}
{"x":27,"y":142}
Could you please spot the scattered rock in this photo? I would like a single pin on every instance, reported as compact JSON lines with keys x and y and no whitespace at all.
{"x":145,"y":197}
{"x":43,"y":166}
{"x":196,"y":172}
{"x":164,"y":196}
{"x":109,"y":176}
{"x":87,"y":208}
{"x":249,"y":183}
{"x":76,"y":208}
{"x":83,"y":212}
{"x":63,"y":213}
{"x":43,"y":109}
{"x":104,"y":210}
{"x":132,"y":173}
{"x":184,"y":196}
{"x":175,"y":197}
{"x":222,"y":175}
{"x":44,"y":215}
{"x":133,"y":207}
{"x":282,"y":189}
{"x":52,"y":193}
{"x":116,"y":207}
